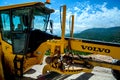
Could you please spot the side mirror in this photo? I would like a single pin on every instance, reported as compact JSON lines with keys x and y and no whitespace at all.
{"x":51,"y":26}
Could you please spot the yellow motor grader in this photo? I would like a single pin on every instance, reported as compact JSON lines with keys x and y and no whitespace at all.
{"x":24,"y":41}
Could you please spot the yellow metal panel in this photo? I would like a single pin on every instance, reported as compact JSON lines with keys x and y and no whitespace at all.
{"x":1,"y":66}
{"x":112,"y":51}
{"x":20,"y":5}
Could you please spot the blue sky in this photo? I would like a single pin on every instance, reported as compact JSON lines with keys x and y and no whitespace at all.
{"x":88,"y":13}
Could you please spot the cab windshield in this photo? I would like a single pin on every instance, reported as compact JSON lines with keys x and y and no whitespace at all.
{"x":40,"y":20}
{"x":30,"y":17}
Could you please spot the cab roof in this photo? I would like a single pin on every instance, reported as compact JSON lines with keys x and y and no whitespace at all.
{"x":24,"y":5}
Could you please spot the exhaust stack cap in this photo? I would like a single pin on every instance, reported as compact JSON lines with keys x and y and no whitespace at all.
{"x":47,"y":2}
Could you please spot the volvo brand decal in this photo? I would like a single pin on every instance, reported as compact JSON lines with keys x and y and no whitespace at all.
{"x":90,"y":48}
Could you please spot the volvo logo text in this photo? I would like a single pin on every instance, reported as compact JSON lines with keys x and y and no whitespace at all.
{"x":90,"y":48}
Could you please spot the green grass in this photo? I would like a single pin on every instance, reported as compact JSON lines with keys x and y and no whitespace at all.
{"x":73,"y":51}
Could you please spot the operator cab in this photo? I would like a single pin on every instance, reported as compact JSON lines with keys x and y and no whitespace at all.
{"x":25,"y":25}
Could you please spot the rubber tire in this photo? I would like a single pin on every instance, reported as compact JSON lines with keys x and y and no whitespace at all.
{"x":116,"y":74}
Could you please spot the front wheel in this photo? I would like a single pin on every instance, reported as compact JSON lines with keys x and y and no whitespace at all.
{"x":116,"y":73}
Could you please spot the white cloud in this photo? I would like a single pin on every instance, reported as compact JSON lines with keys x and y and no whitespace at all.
{"x":93,"y":16}
{"x":96,"y":16}
{"x":76,"y":9}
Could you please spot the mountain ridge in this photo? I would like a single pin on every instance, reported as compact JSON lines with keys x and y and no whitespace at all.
{"x":111,"y":34}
